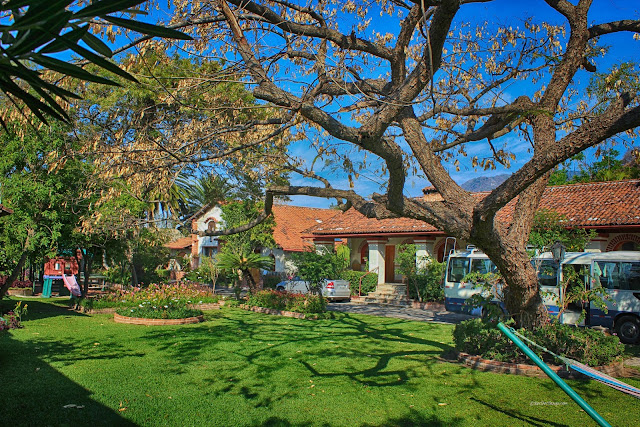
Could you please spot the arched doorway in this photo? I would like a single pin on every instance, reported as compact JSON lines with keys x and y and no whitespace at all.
{"x":624,"y":242}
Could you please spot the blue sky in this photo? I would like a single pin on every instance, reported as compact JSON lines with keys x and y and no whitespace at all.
{"x":510,"y":12}
{"x":500,"y":12}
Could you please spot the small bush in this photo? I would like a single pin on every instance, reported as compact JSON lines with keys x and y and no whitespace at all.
{"x":588,"y":346}
{"x":13,"y":319}
{"x":369,"y":281}
{"x":429,"y":283}
{"x":484,"y":339}
{"x":300,"y":303}
{"x":269,"y":299}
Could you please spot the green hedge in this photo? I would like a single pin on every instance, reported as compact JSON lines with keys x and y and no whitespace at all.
{"x":300,"y":303}
{"x":588,"y":346}
{"x":369,"y":282}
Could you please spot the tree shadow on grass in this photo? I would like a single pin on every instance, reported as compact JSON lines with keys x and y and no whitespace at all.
{"x":518,"y":417}
{"x":34,"y":393}
{"x":38,"y":309}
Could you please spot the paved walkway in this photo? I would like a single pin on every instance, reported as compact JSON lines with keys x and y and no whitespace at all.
{"x":422,"y":315}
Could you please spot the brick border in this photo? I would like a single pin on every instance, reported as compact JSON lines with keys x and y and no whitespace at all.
{"x":615,"y":369}
{"x":275,"y":312}
{"x":156,"y":322}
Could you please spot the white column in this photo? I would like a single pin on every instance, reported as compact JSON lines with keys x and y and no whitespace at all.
{"x":376,"y":257}
{"x":422,"y":253}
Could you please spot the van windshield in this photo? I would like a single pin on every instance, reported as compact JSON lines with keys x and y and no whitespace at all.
{"x":458,"y":268}
{"x":482,"y":266}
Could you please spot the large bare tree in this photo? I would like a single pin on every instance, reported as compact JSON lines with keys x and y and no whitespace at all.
{"x":415,"y":83}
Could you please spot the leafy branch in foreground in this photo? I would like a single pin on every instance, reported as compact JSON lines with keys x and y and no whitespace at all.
{"x":33,"y":31}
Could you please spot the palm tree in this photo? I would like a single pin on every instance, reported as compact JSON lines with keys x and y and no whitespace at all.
{"x":242,"y":264}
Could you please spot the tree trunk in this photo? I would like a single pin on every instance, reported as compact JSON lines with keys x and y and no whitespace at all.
{"x":17,"y":269}
{"x":253,"y":286}
{"x":105,"y":265}
{"x":87,"y":274}
{"x":522,"y":293}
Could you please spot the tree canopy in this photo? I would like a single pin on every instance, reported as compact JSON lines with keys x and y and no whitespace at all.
{"x":418,"y":84}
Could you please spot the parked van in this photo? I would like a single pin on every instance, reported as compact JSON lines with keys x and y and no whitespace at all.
{"x":618,"y":273}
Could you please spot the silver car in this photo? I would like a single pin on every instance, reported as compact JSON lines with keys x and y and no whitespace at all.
{"x":333,"y":290}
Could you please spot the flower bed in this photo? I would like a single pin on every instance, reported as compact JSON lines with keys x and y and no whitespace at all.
{"x":156,"y":322}
{"x":155,"y":294}
{"x":615,"y":369}
{"x":26,"y":292}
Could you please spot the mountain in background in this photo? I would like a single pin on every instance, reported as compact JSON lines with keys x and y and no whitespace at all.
{"x":484,"y":183}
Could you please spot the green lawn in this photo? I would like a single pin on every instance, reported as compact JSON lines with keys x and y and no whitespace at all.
{"x":245,"y":368}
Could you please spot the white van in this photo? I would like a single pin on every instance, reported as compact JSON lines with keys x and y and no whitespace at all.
{"x":618,"y":273}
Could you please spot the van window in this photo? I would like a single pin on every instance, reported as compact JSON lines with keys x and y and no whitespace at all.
{"x":482,"y":266}
{"x":617,"y":275}
{"x":547,"y":272}
{"x":458,"y":268}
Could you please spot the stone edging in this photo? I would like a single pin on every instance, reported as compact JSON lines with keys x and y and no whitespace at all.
{"x":615,"y":369}
{"x":277,"y":312}
{"x":156,"y":322}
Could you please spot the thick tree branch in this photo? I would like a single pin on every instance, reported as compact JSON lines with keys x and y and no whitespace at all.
{"x":614,"y":27}
{"x":614,"y":120}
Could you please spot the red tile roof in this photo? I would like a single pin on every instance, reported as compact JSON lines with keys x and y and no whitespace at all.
{"x":353,"y":222}
{"x":614,"y":203}
{"x":292,"y":221}
{"x":595,"y":204}
{"x":181,"y":243}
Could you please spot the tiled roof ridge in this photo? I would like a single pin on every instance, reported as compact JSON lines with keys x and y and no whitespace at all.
{"x":574,"y":184}
{"x":595,"y":183}
{"x":306,"y":207}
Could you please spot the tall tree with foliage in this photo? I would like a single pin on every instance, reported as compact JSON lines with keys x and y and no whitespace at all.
{"x":155,"y":135}
{"x":44,"y":188}
{"x":417,"y":84}
{"x":608,"y":167}
{"x":235,"y":214}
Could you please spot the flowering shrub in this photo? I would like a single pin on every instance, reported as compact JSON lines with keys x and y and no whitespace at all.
{"x":159,"y":295}
{"x":148,"y":310}
{"x":16,"y":283}
{"x":13,"y":319}
{"x":301,"y":303}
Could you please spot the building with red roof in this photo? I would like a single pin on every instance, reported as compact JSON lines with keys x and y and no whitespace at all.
{"x":611,"y":209}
